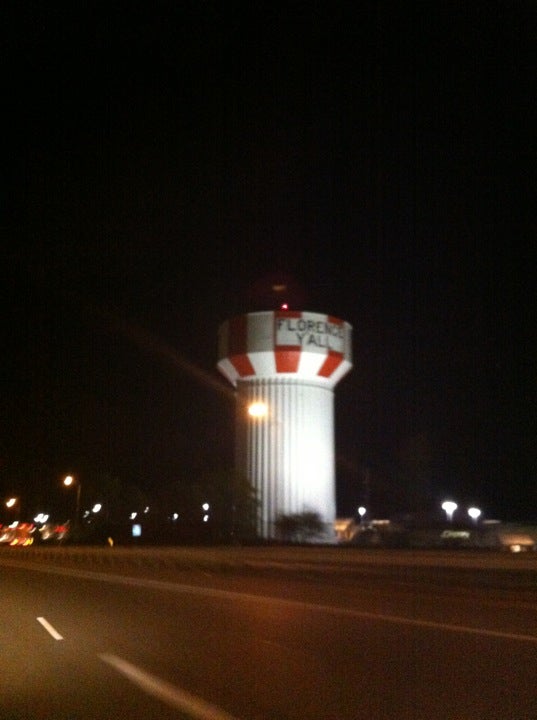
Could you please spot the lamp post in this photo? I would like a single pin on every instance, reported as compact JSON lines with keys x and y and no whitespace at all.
{"x":449,"y":508}
{"x":14,"y":502}
{"x":69,"y":481}
{"x":266,"y":460}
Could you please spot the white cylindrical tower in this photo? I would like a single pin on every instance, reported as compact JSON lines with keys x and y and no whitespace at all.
{"x":285,"y":366}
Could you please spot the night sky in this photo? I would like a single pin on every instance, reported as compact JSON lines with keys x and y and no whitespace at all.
{"x":166,"y":162}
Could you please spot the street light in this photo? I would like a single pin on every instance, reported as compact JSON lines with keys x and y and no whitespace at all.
{"x":449,"y":508}
{"x":14,"y":503}
{"x":474,"y":513}
{"x":69,"y":481}
{"x":361,"y":512}
{"x":258,"y":409}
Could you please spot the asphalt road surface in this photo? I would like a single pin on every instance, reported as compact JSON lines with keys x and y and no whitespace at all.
{"x":79,"y":643}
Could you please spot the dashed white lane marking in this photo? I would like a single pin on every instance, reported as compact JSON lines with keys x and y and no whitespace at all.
{"x":48,"y":627}
{"x":170,"y":694}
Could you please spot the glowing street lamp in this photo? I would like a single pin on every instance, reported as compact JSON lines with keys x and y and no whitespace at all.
{"x":69,"y":481}
{"x":361,"y":512}
{"x":474,"y":513}
{"x":258,"y":409}
{"x":449,"y":508}
{"x":14,"y":503}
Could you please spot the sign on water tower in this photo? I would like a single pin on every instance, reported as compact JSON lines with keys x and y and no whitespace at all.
{"x":306,"y":330}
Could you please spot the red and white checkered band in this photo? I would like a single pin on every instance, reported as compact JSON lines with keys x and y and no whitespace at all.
{"x":301,"y":344}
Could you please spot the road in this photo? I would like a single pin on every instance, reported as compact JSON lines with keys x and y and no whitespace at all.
{"x":206,"y":645}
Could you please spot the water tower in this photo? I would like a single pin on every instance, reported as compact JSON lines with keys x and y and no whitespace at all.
{"x":285,"y":366}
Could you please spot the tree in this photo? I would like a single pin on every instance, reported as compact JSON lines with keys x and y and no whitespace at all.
{"x":232,"y":504}
{"x":299,"y":527}
{"x":119,"y":498}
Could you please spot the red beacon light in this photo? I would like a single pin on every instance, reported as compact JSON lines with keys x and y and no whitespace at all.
{"x":284,"y":306}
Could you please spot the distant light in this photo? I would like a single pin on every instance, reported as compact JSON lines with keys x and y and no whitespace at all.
{"x":146,"y":510}
{"x":41,"y":518}
{"x":14,"y":524}
{"x":11,"y":502}
{"x":455,"y":534}
{"x":258,"y":409}
{"x":279,"y":288}
{"x":205,"y":518}
{"x":96,"y":508}
{"x":474,"y":513}
{"x":69,"y":480}
{"x":285,"y":306}
{"x":205,"y":506}
{"x":133,"y":515}
{"x":449,"y":508}
{"x":175,"y":516}
{"x":361,"y":511}
{"x":136,"y":530}
{"x":46,"y":532}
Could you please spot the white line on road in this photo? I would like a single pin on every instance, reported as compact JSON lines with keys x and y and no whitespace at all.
{"x":168,"y":586}
{"x":398,"y":620}
{"x":315,"y":607}
{"x":48,"y":627}
{"x":179,"y":699}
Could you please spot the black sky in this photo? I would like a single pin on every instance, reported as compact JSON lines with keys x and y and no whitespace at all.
{"x":161,"y":159}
